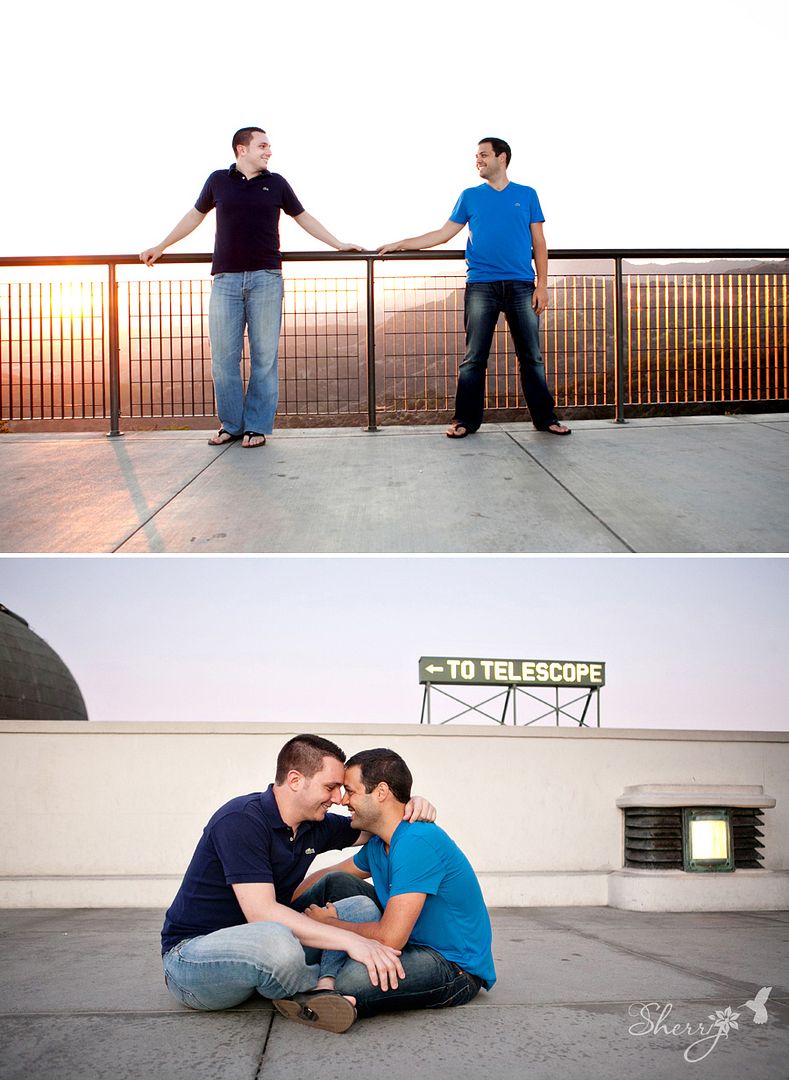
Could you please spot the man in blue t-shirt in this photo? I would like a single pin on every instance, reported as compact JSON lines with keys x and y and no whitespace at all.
{"x":505,"y":232}
{"x":234,"y":927}
{"x":429,"y":905}
{"x":247,"y":282}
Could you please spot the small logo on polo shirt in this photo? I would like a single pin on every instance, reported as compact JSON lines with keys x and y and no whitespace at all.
{"x":517,"y":204}
{"x":309,"y":851}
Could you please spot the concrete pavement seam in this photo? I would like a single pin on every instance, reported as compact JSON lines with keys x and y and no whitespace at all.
{"x":572,"y":494}
{"x":167,"y":502}
{"x":259,"y":1070}
{"x":713,"y":977}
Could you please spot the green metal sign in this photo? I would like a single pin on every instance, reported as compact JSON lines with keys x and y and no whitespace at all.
{"x":473,"y":671}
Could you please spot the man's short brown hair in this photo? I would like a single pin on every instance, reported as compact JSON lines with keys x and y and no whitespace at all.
{"x":499,"y":146}
{"x":382,"y":766}
{"x":243,"y":137}
{"x":305,"y":754}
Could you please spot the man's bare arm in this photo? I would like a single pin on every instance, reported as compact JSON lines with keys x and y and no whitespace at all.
{"x":186,"y":225}
{"x":320,"y":232}
{"x":426,"y":240}
{"x":259,"y":904}
{"x":540,"y":249}
{"x":397,"y":921}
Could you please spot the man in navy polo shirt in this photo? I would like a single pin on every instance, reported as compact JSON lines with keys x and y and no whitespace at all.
{"x":247,"y":282}
{"x":505,"y":231}
{"x":233,"y":928}
{"x":431,"y":901}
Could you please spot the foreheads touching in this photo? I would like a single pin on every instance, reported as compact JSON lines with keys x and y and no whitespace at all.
{"x":305,"y":754}
{"x":381,"y":766}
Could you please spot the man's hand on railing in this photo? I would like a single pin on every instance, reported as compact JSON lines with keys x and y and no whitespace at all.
{"x":351,"y":247}
{"x":425,"y":240}
{"x":150,"y":255}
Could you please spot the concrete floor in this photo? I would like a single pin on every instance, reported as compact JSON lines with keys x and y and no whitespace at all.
{"x":82,"y":998}
{"x":702,"y":484}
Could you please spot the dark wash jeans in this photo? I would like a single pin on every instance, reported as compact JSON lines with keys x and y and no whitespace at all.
{"x":484,"y":301}
{"x":431,"y":982}
{"x":334,"y":887}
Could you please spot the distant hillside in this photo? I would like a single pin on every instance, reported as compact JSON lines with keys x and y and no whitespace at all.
{"x":712,"y":266}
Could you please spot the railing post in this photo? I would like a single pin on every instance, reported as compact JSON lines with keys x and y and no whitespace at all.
{"x":371,"y":403}
{"x":115,"y":353}
{"x":619,"y":371}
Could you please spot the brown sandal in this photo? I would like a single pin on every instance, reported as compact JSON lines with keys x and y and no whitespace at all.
{"x":324,"y":1009}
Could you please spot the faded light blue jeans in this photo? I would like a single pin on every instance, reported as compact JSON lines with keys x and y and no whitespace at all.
{"x":253,"y":301}
{"x":220,"y":970}
{"x":431,"y":981}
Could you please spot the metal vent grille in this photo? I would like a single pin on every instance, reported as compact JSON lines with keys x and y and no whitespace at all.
{"x":653,"y":837}
{"x":746,"y":826}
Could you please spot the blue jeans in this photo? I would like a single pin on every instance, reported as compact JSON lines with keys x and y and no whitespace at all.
{"x":251,"y":300}
{"x":220,"y":970}
{"x":484,"y":301}
{"x":333,"y":887}
{"x":431,"y":981}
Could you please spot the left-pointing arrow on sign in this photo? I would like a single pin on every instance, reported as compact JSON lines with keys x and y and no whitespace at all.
{"x":433,"y":669}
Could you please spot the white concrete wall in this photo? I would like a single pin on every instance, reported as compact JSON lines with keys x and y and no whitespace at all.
{"x":108,"y":814}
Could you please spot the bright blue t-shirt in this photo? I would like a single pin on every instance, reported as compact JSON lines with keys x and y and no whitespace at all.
{"x":499,"y":231}
{"x":454,"y":920}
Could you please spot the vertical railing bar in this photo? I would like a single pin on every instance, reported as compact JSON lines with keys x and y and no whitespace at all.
{"x":371,"y":391}
{"x":49,"y":392}
{"x":739,"y":332}
{"x":758,"y":339}
{"x":83,"y":307}
{"x":732,"y":330}
{"x":30,"y":345}
{"x":114,"y":350}
{"x":619,"y":329}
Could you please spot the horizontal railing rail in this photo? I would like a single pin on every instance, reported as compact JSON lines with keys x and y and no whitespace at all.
{"x":619,"y":337}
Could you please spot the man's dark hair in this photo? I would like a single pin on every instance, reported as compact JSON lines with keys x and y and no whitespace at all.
{"x":383,"y":766}
{"x":499,"y":146}
{"x":305,"y":753}
{"x":243,"y":137}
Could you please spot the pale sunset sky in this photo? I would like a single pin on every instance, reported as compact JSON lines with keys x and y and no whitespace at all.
{"x":688,"y":642}
{"x":639,"y":125}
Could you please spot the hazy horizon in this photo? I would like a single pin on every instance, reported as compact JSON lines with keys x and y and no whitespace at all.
{"x":689,"y":643}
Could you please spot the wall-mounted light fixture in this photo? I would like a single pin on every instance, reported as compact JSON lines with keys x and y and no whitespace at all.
{"x":707,"y":840}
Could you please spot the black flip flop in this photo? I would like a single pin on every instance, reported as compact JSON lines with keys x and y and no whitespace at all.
{"x":224,"y":442}
{"x":254,"y":435}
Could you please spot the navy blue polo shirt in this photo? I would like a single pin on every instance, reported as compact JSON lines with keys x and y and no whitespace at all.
{"x":247,"y":841}
{"x":247,"y":218}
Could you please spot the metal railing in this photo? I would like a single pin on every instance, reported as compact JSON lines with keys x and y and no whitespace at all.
{"x":616,"y":338}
